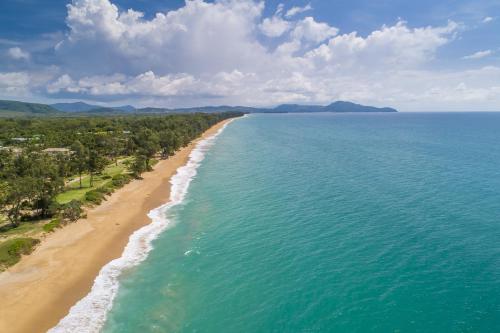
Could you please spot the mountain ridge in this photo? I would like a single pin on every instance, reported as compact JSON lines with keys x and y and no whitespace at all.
{"x":18,"y":108}
{"x":15,"y":107}
{"x":337,"y":106}
{"x":85,"y":107}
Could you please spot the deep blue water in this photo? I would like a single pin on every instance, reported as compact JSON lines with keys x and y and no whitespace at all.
{"x":331,"y":223}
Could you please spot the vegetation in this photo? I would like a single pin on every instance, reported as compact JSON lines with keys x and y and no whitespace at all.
{"x":52,"y":225}
{"x":51,"y":167}
{"x":11,"y":250}
{"x":26,"y":108}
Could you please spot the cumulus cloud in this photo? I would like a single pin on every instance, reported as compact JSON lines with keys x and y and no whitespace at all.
{"x":206,"y":52}
{"x":389,"y":47}
{"x":297,"y":10}
{"x":17,"y":53}
{"x":199,"y":37}
{"x":478,"y":55}
{"x":274,"y":26}
{"x":487,"y":19}
{"x":310,"y":30}
{"x":215,"y":53}
{"x":14,"y":83}
{"x":145,"y":84}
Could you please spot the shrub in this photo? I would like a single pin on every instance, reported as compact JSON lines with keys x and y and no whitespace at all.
{"x":105,"y":176}
{"x":54,"y":208}
{"x":106,"y":189}
{"x":52,"y":225}
{"x":120,"y":180}
{"x":102,"y":190}
{"x":94,"y":197}
{"x":12,"y":249}
{"x":72,"y":211}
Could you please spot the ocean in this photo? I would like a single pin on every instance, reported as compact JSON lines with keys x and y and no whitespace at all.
{"x":320,"y":223}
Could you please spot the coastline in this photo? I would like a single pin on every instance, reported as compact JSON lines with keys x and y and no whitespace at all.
{"x":39,"y":291}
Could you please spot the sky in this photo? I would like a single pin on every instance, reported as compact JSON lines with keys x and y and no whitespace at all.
{"x":412,"y":55}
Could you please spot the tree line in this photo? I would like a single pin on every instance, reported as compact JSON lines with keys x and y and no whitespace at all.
{"x":31,"y":177}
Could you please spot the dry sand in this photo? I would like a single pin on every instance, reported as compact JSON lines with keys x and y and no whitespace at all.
{"x":39,"y":291}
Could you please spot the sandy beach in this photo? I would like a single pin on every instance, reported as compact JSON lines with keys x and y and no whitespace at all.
{"x":39,"y":291}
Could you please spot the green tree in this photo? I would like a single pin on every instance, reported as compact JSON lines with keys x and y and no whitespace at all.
{"x":138,"y":166}
{"x":47,"y":183}
{"x":72,"y":210}
{"x":18,"y":193}
{"x":167,"y":143}
{"x":95,"y":165}
{"x":148,"y":144}
{"x":79,"y":158}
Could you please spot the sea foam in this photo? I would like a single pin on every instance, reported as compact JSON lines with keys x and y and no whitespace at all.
{"x":89,"y":314}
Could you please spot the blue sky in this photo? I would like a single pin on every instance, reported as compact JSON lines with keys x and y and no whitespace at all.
{"x":425,"y":55}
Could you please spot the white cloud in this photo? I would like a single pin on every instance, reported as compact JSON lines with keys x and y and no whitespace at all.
{"x":17,"y":53}
{"x":298,"y":10}
{"x":478,"y":55}
{"x":14,"y":79}
{"x":389,"y":47}
{"x":145,"y":84}
{"x":213,"y":53}
{"x":487,"y":19}
{"x":274,"y":26}
{"x":209,"y":54}
{"x":199,"y":37}
{"x":280,"y":9}
{"x":310,"y":30}
{"x":14,"y":83}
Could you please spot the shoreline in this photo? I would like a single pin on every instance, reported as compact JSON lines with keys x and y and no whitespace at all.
{"x":38,"y":292}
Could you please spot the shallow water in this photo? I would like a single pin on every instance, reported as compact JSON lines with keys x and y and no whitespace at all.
{"x":330,"y":223}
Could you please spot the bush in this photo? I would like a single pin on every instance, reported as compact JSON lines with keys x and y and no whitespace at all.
{"x":54,"y":208}
{"x":120,"y":180}
{"x":105,"y":176}
{"x":94,"y":197}
{"x":106,"y":190}
{"x":102,"y":190}
{"x":52,"y":225}
{"x":12,"y":249}
{"x":72,"y":211}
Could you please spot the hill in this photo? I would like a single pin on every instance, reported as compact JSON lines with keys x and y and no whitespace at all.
{"x":84,"y":107}
{"x":201,"y":109}
{"x":339,"y":106}
{"x":15,"y":108}
{"x":290,"y":108}
{"x":11,"y":108}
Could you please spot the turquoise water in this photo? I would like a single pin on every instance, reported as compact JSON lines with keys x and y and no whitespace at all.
{"x":330,"y":223}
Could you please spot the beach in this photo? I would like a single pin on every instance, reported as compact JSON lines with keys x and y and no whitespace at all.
{"x":39,"y":291}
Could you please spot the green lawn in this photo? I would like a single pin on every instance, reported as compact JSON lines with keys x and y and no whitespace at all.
{"x":74,"y":192}
{"x":33,"y":228}
{"x":24,"y":228}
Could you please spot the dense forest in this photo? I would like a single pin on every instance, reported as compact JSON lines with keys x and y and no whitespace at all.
{"x":39,"y":157}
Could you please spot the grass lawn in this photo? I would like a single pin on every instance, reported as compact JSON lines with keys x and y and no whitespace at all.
{"x":27,"y":228}
{"x":74,"y":192}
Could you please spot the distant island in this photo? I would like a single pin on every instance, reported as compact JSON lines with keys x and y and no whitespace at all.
{"x":17,"y":108}
{"x":339,"y":106}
